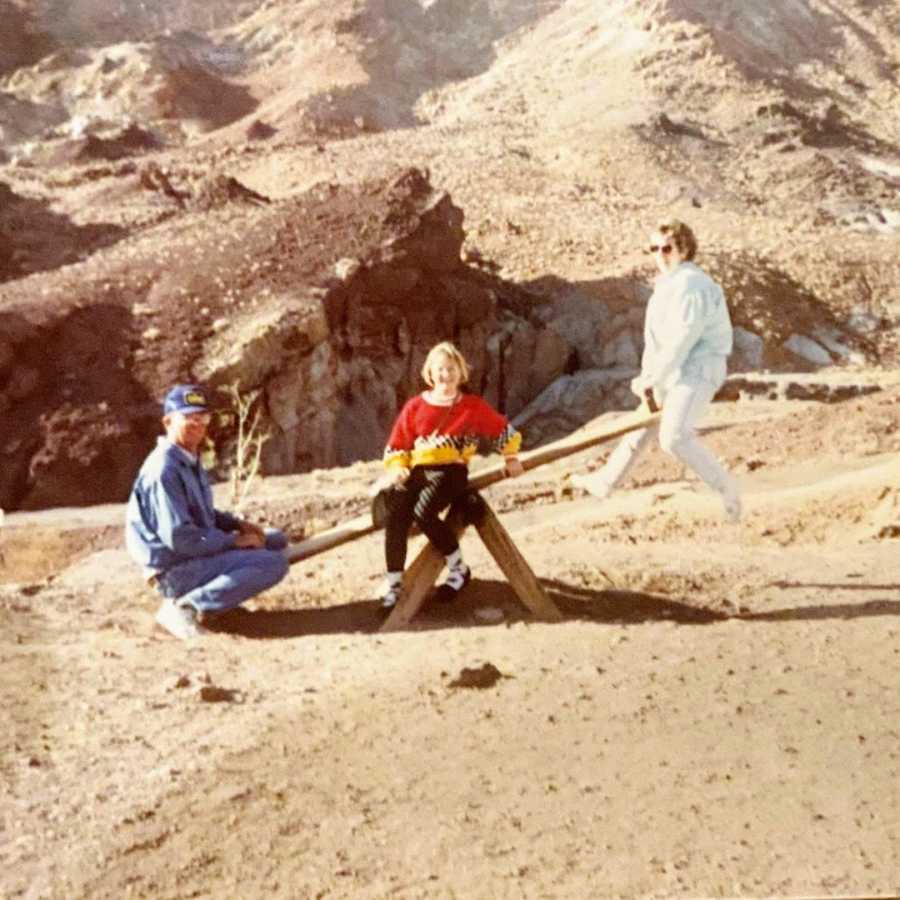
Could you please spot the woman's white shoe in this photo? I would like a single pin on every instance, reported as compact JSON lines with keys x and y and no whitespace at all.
{"x":731,"y":501}
{"x":593,"y":484}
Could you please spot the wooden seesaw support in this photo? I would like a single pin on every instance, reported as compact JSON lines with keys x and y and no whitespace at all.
{"x":421,"y":575}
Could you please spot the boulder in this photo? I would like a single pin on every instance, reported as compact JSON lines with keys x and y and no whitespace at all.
{"x":808,"y":349}
{"x":864,"y":321}
{"x":621,"y":351}
{"x":836,"y":343}
{"x":581,"y":322}
{"x":571,"y":400}
{"x":747,"y":355}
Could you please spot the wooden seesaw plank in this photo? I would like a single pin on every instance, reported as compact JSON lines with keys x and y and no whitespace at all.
{"x":359,"y":527}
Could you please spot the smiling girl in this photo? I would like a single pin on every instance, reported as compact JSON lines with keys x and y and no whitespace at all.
{"x":434,"y":437}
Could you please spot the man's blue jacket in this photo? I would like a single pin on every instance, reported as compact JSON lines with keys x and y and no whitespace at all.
{"x":171,"y":517}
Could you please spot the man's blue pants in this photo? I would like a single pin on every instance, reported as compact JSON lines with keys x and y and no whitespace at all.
{"x":215,"y":583}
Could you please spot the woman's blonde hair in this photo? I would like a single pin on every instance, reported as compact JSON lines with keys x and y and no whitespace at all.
{"x":447,"y":349}
{"x":681,"y":234}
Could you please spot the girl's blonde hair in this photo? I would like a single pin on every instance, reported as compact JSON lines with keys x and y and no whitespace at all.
{"x":447,"y":349}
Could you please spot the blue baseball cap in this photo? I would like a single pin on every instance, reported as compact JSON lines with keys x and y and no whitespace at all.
{"x":185,"y":398}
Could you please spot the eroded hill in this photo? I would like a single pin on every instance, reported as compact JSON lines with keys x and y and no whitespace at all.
{"x":561,"y":132}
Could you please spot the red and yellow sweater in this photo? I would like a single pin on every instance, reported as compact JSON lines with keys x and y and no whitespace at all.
{"x":414,"y":440}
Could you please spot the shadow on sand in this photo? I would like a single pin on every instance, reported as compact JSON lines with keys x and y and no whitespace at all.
{"x":611,"y":607}
{"x":784,"y":585}
{"x":835,"y":611}
{"x":575,"y":604}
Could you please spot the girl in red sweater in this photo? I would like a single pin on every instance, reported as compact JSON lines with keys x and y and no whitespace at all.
{"x":431,"y":443}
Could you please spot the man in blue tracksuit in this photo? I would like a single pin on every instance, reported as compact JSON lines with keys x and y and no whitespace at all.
{"x":201,"y":559}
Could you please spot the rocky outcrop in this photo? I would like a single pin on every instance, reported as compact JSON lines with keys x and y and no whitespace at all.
{"x":92,"y":22}
{"x":572,"y":400}
{"x":325,"y":304}
{"x":337,"y":359}
{"x":168,"y":87}
{"x":832,"y":387}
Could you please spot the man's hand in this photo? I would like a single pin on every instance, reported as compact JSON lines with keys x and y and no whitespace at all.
{"x":250,"y":540}
{"x":245,"y":527}
{"x":514,"y":467}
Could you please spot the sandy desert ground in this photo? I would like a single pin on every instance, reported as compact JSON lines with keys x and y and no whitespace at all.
{"x":716,"y":715}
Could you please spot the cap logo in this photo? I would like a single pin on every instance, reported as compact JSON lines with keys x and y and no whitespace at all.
{"x":192,"y":398}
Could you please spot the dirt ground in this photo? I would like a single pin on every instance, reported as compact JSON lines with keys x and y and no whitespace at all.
{"x":716,"y":715}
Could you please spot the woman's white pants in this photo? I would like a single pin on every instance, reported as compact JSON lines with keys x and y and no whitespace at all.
{"x":682,"y":408}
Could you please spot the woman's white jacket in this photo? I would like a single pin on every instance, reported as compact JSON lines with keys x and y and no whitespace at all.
{"x":687,"y":330}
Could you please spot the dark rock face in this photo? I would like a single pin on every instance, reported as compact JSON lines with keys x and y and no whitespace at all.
{"x":85,"y":457}
{"x":130,"y":141}
{"x":324,"y":304}
{"x":72,"y":420}
{"x":35,"y":238}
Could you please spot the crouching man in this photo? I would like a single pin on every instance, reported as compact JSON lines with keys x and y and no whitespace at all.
{"x":202,"y":560}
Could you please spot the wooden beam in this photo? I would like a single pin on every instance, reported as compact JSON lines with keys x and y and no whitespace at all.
{"x":347,"y":531}
{"x":572,"y":443}
{"x":513,"y":565}
{"x":580,"y":440}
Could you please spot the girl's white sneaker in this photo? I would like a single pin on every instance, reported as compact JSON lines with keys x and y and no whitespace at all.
{"x":391,"y":597}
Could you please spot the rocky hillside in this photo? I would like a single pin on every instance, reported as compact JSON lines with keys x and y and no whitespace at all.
{"x":232,"y":291}
{"x":221,"y":194}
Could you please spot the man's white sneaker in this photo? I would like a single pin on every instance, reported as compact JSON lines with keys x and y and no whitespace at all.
{"x":593,"y":484}
{"x":180,"y":621}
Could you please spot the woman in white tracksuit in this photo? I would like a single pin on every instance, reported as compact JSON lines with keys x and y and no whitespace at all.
{"x":687,"y":339}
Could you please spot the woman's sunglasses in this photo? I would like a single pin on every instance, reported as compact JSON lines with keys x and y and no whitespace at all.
{"x":663,"y":248}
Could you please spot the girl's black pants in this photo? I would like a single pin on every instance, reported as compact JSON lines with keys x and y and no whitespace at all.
{"x":421,"y":498}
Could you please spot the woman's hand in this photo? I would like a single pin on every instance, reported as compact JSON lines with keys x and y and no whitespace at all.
{"x":513,"y":467}
{"x":638,"y":386}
